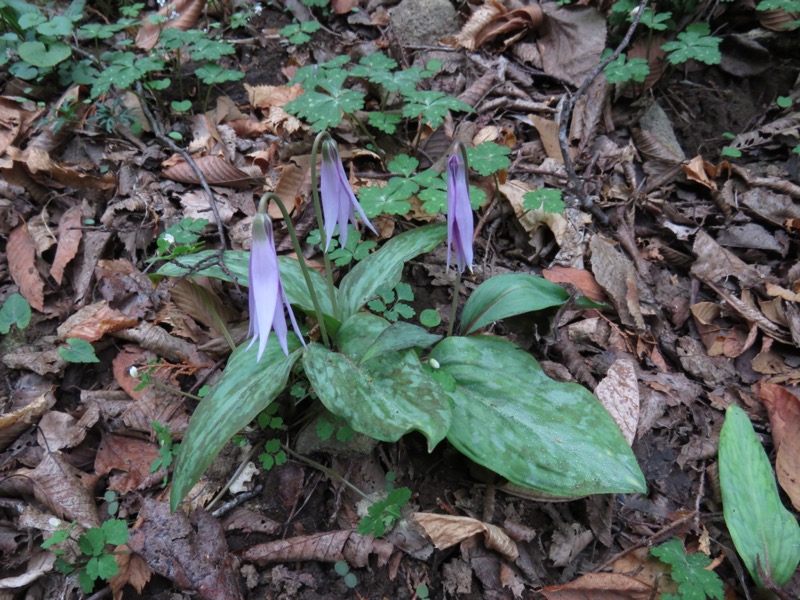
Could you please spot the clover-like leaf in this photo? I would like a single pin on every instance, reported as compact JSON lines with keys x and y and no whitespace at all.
{"x":432,"y":106}
{"x":694,"y":44}
{"x":488,"y":158}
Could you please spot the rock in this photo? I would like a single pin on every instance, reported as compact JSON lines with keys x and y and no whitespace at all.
{"x":424,"y":22}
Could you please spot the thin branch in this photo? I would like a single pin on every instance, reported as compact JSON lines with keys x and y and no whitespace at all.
{"x":566,"y":115}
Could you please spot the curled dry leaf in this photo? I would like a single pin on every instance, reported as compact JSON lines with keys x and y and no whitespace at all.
{"x":617,"y":276}
{"x":492,"y":20}
{"x":600,"y":586}
{"x":61,"y":488}
{"x":55,"y":130}
{"x":580,"y":278}
{"x":188,"y":12}
{"x":778,"y":19}
{"x":329,"y":546}
{"x":203,"y":305}
{"x":21,"y":254}
{"x":571,"y":42}
{"x":216,"y":169}
{"x":41,"y":562}
{"x":69,"y":238}
{"x":59,"y":430}
{"x":16,"y":174}
{"x":132,"y":570}
{"x":294,"y":184}
{"x":132,"y":458}
{"x":15,"y":118}
{"x":40,"y":162}
{"x":449,"y":530}
{"x":783,"y":408}
{"x":94,"y":321}
{"x":33,"y":397}
{"x":714,"y":263}
{"x":619,"y":393}
{"x":190,"y":551}
{"x":696,"y":171}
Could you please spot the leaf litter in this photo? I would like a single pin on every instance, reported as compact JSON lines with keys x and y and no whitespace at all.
{"x":696,"y":261}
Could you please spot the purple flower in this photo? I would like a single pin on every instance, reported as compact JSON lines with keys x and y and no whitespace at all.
{"x":266,"y":296}
{"x":338,"y":201}
{"x":460,"y":227}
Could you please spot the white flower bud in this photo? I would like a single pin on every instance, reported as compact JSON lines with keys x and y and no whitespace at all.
{"x":133,"y":372}
{"x":169,"y":238}
{"x":434,"y":363}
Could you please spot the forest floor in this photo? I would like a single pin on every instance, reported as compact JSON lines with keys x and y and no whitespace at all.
{"x":686,"y":232}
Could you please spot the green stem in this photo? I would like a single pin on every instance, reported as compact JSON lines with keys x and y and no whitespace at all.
{"x":324,"y":469}
{"x":454,"y":306}
{"x":358,"y":123}
{"x":262,"y":208}
{"x":322,"y":136}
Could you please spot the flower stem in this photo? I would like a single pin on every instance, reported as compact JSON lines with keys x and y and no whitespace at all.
{"x":323,"y":242}
{"x":454,"y":306}
{"x":300,"y":259}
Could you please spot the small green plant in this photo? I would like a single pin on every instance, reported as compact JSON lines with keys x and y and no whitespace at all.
{"x":268,"y":420}
{"x":343,"y":570}
{"x":382,"y":515}
{"x":95,"y":560}
{"x":15,"y":311}
{"x":78,"y":351}
{"x":489,"y":158}
{"x":695,"y":43}
{"x":180,"y":239}
{"x":622,"y":70}
{"x":167,"y":449}
{"x":695,"y":581}
{"x":327,"y":426}
{"x":546,"y":199}
{"x":273,"y":455}
{"x":784,"y":101}
{"x":391,"y":302}
{"x":300,"y":33}
{"x":430,"y":317}
{"x":421,"y":590}
{"x":113,"y":502}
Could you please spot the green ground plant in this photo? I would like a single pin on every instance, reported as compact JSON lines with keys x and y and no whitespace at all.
{"x":94,"y":559}
{"x":695,"y":581}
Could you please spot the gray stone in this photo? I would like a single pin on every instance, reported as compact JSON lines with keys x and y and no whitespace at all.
{"x":424,"y":22}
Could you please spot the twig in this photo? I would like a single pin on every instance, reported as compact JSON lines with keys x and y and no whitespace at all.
{"x":167,"y":141}
{"x":237,"y":501}
{"x":566,"y":115}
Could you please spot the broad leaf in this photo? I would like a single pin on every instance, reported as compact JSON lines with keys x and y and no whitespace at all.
{"x":237,"y":263}
{"x":37,"y":54}
{"x":507,"y":295}
{"x":386,"y":397}
{"x":385,"y":267}
{"x":246,"y":388}
{"x":78,"y":351}
{"x":765,"y":534}
{"x":15,"y":311}
{"x":538,"y":433}
{"x":399,"y":336}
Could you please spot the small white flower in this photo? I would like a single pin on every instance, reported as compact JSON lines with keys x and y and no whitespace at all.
{"x":54,"y":522}
{"x":434,"y":363}
{"x":169,"y":238}
{"x":133,"y":372}
{"x":161,"y":3}
{"x":174,"y":15}
{"x":257,"y":8}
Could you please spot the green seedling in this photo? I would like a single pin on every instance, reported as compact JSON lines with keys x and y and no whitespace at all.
{"x":15,"y":311}
{"x":78,"y":351}
{"x":381,"y":516}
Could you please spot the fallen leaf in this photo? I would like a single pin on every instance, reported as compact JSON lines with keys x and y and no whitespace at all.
{"x":580,"y":278}
{"x":132,"y":457}
{"x":599,"y":586}
{"x":60,"y":487}
{"x":32,"y":397}
{"x":216,"y":169}
{"x":696,"y":171}
{"x":617,"y":276}
{"x":69,"y":238}
{"x":571,"y":41}
{"x":59,"y":430}
{"x":94,"y":321}
{"x":188,"y":12}
{"x":449,"y":530}
{"x":190,"y":551}
{"x":41,"y":562}
{"x":21,"y":256}
{"x":783,"y":408}
{"x":132,"y":571}
{"x":619,"y":393}
{"x":328,"y":546}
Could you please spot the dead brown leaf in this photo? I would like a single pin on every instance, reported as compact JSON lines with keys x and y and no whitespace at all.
{"x":449,"y":530}
{"x":328,"y":546}
{"x":41,"y":562}
{"x":714,"y":263}
{"x":32,"y":398}
{"x":580,"y":278}
{"x":16,"y":116}
{"x":21,"y":254}
{"x":203,"y":304}
{"x":696,"y":171}
{"x":783,"y":408}
{"x":61,"y":487}
{"x":619,"y":393}
{"x":69,"y":238}
{"x":617,"y":276}
{"x":600,"y":586}
{"x":190,"y":551}
{"x":132,"y":457}
{"x":132,"y":571}
{"x":59,"y":430}
{"x":492,"y":20}
{"x":216,"y":169}
{"x":188,"y":12}
{"x":294,"y":184}
{"x":40,"y":164}
{"x":571,"y":41}
{"x":94,"y":321}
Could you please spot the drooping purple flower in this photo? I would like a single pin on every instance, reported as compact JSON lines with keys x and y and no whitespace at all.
{"x":338,"y":201}
{"x":460,"y":226}
{"x":266,"y":295}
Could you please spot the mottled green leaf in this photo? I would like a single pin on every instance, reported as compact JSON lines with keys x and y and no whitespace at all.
{"x":245,"y":389}
{"x":385,"y":267}
{"x":399,"y":336}
{"x":507,"y":295}
{"x":384,"y":398}
{"x":538,"y":433}
{"x":765,"y":534}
